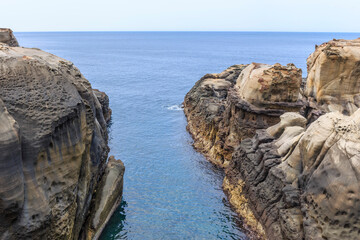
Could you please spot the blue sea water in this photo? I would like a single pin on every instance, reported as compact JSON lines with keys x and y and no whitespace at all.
{"x":170,"y":191}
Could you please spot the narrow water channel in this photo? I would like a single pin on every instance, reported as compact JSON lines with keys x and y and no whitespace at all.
{"x":170,"y":191}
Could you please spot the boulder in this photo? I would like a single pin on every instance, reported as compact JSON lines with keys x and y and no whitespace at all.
{"x":334,"y":76}
{"x":259,"y":84}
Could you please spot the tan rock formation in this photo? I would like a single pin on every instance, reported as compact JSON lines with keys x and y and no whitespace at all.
{"x":7,"y":37}
{"x":334,"y":75}
{"x":299,"y":178}
{"x":316,"y":178}
{"x":259,"y":84}
{"x":224,"y":108}
{"x":53,"y":141}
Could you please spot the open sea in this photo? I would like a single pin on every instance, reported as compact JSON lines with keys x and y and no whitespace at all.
{"x":170,"y":190}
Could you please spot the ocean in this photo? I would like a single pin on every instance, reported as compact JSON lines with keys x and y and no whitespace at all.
{"x":170,"y":190}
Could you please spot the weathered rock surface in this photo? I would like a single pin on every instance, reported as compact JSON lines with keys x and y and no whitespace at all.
{"x":53,"y":141}
{"x":7,"y":37}
{"x":303,"y":183}
{"x":334,"y":76}
{"x":220,"y":111}
{"x":291,"y":172}
{"x":108,"y":198}
{"x":104,"y":101}
{"x":261,"y":84}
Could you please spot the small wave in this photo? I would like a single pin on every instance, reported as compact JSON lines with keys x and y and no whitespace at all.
{"x":175,"y":108}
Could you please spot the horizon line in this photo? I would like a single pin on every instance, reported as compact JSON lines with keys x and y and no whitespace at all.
{"x":134,"y":31}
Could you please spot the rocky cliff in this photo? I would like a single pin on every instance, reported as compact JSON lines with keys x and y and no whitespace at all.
{"x":291,"y":155}
{"x":53,"y":158}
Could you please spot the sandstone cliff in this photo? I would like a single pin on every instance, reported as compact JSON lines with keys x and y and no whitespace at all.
{"x":53,"y":148}
{"x":333,"y":75}
{"x":220,"y":112}
{"x":291,"y":155}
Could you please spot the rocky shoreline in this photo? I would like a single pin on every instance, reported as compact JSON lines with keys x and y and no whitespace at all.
{"x":56,"y":181}
{"x":290,"y":151}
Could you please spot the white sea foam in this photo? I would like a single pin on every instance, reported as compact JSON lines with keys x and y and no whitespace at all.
{"x":175,"y":108}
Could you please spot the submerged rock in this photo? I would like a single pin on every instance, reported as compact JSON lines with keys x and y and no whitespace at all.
{"x":53,"y":147}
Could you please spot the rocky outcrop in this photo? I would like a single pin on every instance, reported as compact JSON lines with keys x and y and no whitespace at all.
{"x":53,"y":148}
{"x":303,"y":183}
{"x":220,"y":112}
{"x":7,"y":37}
{"x":104,"y":101}
{"x":334,"y":76}
{"x":107,"y":198}
{"x":290,"y":172}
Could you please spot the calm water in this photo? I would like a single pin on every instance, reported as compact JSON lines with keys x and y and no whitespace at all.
{"x":170,"y":192}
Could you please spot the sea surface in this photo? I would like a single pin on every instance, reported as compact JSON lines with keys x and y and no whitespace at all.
{"x":170,"y":191}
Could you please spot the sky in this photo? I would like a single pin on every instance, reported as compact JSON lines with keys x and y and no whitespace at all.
{"x":181,"y":15}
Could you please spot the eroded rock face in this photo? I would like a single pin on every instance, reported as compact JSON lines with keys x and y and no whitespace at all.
{"x":53,"y":146}
{"x":7,"y":37}
{"x":259,"y":84}
{"x":222,"y":109}
{"x":108,"y":198}
{"x":303,"y":183}
{"x":334,"y":76}
{"x":104,"y":101}
{"x":291,"y":172}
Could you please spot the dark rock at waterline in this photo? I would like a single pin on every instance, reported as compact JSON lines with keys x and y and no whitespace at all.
{"x":104,"y":101}
{"x":54,"y":150}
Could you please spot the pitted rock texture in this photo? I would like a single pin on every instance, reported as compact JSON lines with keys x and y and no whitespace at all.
{"x":220,"y":116}
{"x":53,"y":146}
{"x":334,"y":76}
{"x":261,"y":83}
{"x":290,"y":152}
{"x":303,"y":183}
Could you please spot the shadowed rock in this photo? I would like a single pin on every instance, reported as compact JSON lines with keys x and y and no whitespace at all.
{"x":108,"y":198}
{"x":7,"y":37}
{"x":53,"y":146}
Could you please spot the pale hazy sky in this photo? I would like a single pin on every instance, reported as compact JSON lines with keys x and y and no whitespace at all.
{"x":181,"y":15}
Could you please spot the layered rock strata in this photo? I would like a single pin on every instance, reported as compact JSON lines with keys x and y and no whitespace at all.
{"x":294,"y":176}
{"x":220,"y":112}
{"x":54,"y":149}
{"x":303,"y":183}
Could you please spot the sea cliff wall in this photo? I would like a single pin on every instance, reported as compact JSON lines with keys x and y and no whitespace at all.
{"x":289,"y":149}
{"x":53,"y":158}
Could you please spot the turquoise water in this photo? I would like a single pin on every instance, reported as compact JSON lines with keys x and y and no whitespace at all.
{"x":170,"y":191}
